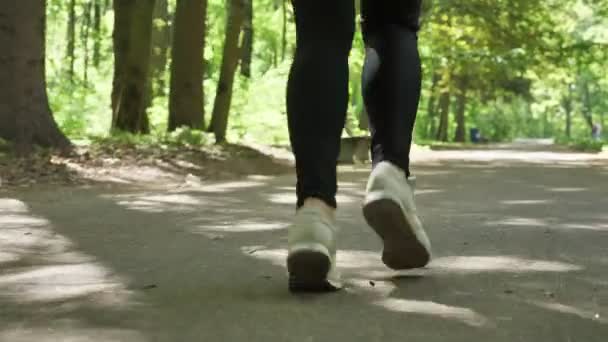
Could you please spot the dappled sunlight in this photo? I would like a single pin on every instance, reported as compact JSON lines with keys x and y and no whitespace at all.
{"x":523,"y":222}
{"x":429,"y":173}
{"x":347,"y":259}
{"x":242,"y":226}
{"x":567,"y":190}
{"x":350,"y":185}
{"x":354,"y":169}
{"x":15,"y":221}
{"x":261,"y":178}
{"x":368,"y":263}
{"x":519,"y":222}
{"x":158,"y":203}
{"x":63,"y":282}
{"x":510,"y":155}
{"x":379,"y":291}
{"x":287,"y":188}
{"x":220,"y":188}
{"x":6,"y":257}
{"x":511,"y":264}
{"x":592,"y":226}
{"x":39,"y":265}
{"x":527,"y":202}
{"x":571,"y":310}
{"x":428,"y":191}
{"x":68,"y":330}
{"x":429,"y":308}
{"x":282,"y":198}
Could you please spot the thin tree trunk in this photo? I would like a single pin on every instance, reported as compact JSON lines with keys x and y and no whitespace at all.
{"x":461,"y":104}
{"x":587,"y":107}
{"x":85,"y":29}
{"x":247,"y":47}
{"x":96,"y":33}
{"x":25,"y":116}
{"x":444,"y":110}
{"x":284,"y":32}
{"x":132,"y":36}
{"x":603,"y":123}
{"x":71,"y":37}
{"x":186,"y":101}
{"x":432,"y":104}
{"x":223,"y":97}
{"x":161,"y":39}
{"x":567,"y":104}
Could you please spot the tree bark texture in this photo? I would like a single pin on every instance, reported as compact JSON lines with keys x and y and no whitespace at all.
{"x":132,"y":39}
{"x":161,"y":40}
{"x":444,"y":110}
{"x":25,"y":115}
{"x":461,"y":106}
{"x":186,"y":101}
{"x":248,"y":34}
{"x":71,"y":37}
{"x":223,"y":97}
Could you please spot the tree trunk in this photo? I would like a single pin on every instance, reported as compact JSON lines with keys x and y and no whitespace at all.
{"x":71,"y":37}
{"x":161,"y":39}
{"x":603,"y":123}
{"x":284,"y":32}
{"x":587,"y":110}
{"x":567,"y":104}
{"x":461,"y":105}
{"x":247,"y":47}
{"x":444,"y":110}
{"x":223,"y":96}
{"x":132,"y":36}
{"x":186,"y":101}
{"x":96,"y":33}
{"x":431,"y":105}
{"x":25,"y":116}
{"x":85,"y":30}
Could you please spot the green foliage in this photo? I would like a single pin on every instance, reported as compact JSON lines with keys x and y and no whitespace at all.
{"x":524,"y":60}
{"x":582,"y":144}
{"x":188,"y":137}
{"x":124,"y":139}
{"x":182,"y":137}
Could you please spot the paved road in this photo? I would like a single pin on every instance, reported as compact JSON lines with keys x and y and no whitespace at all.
{"x":521,"y":244}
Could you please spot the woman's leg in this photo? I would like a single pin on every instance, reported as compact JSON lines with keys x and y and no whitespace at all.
{"x":391,"y":87}
{"x":317,"y":93}
{"x":391,"y":76}
{"x":317,"y":100}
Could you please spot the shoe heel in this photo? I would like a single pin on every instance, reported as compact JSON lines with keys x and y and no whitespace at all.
{"x":308,"y":266}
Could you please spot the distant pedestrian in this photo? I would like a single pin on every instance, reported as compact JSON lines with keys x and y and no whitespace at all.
{"x":596,"y":131}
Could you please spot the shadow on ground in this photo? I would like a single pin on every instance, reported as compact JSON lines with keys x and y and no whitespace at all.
{"x":520,"y":256}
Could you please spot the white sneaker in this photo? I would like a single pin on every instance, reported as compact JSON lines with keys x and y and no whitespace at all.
{"x":311,"y":260}
{"x":390,"y":210}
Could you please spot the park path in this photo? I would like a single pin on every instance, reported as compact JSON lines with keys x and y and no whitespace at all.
{"x":520,"y":241}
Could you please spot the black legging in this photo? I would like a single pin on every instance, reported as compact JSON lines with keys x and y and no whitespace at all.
{"x":317,"y":91}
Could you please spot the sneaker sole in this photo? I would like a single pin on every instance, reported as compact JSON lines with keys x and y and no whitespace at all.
{"x":308,"y":269}
{"x":402,"y":249}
